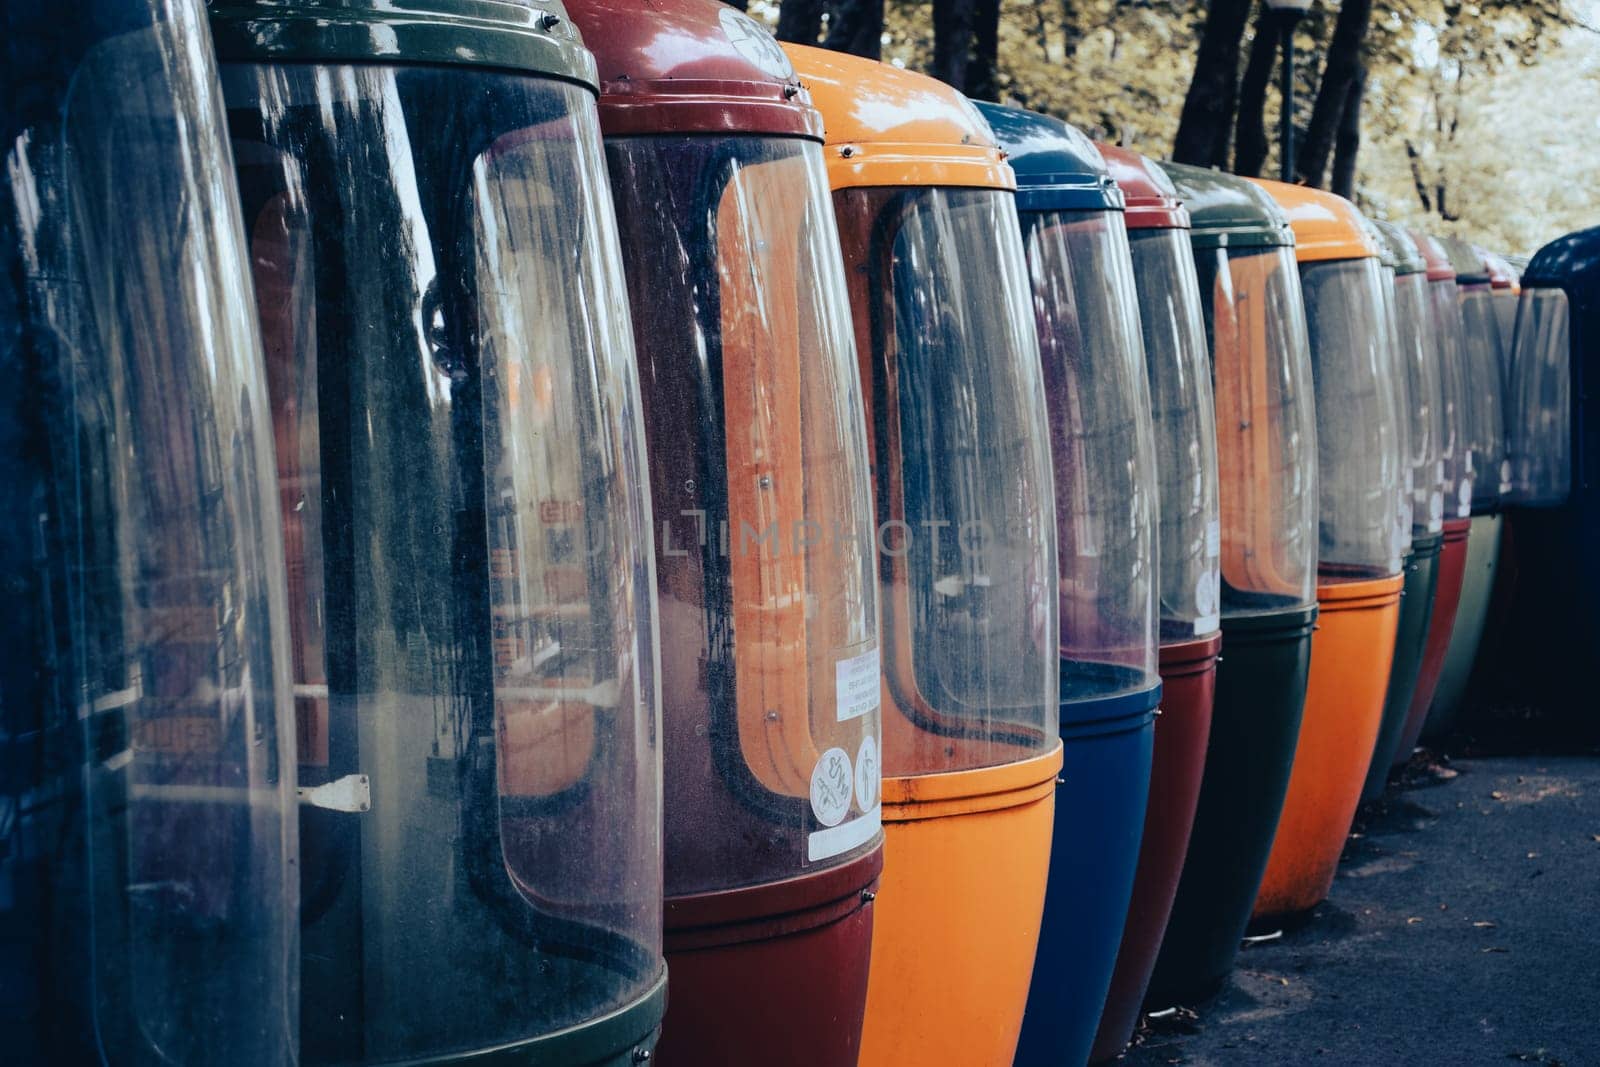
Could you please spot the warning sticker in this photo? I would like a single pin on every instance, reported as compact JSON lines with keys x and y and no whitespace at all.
{"x":832,"y":782}
{"x":868,"y":774}
{"x":857,"y":685}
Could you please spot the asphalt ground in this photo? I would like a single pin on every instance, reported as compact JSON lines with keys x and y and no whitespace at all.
{"x":1463,"y":927}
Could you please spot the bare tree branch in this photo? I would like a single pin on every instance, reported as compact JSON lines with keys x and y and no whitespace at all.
{"x":1415,"y":159}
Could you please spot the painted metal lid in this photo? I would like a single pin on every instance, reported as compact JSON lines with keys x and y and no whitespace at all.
{"x":1326,"y":225}
{"x":1438,"y":260}
{"x":1386,"y":254}
{"x":1501,"y":274}
{"x":1465,"y":261}
{"x":1571,"y":262}
{"x":691,"y":66}
{"x":1152,"y":200}
{"x":887,"y":126}
{"x":1408,"y":258}
{"x":1057,"y":167}
{"x":529,"y":36}
{"x":1228,"y":212}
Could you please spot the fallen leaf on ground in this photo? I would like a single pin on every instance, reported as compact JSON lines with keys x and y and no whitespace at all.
{"x":1497,"y":948}
{"x":1178,"y":1020}
{"x":1484,"y":925}
{"x":1497,"y":795}
{"x":1412,"y":921}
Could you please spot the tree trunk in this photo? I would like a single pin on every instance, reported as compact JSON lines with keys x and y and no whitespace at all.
{"x":1208,"y":109}
{"x":856,"y":26}
{"x":952,"y":40}
{"x":1348,"y":145}
{"x":983,"y":75}
{"x":1250,"y":133}
{"x":800,"y":21}
{"x":1340,"y":71}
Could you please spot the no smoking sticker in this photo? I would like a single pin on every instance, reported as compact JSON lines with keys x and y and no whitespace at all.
{"x":832,"y":782}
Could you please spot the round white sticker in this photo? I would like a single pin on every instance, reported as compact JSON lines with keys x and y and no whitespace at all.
{"x":756,"y":44}
{"x":1464,"y":496}
{"x":831,"y":782}
{"x":867,"y":773}
{"x":1435,"y":505}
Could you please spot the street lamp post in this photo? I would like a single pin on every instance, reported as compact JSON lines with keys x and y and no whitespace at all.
{"x":1289,"y":13}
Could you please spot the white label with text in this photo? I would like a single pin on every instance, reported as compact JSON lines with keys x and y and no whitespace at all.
{"x":857,"y":685}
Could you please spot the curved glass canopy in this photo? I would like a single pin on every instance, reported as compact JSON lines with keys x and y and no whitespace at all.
{"x":1459,"y":460}
{"x":1400,"y":383}
{"x":147,"y":833}
{"x":1507,"y":302}
{"x":1539,"y":420}
{"x":1103,"y":448}
{"x":1266,"y":426}
{"x":457,"y":418}
{"x":1418,"y":360}
{"x":1483,"y":363}
{"x":758,"y":460}
{"x":1358,"y":437}
{"x":1183,"y":412}
{"x":966,"y":510}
